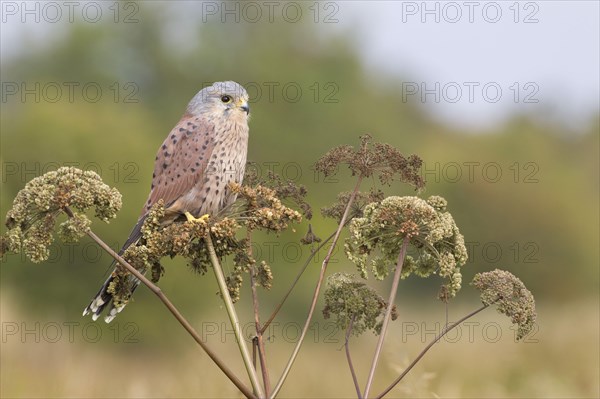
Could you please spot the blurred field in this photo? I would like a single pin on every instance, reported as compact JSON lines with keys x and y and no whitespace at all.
{"x":482,"y":360}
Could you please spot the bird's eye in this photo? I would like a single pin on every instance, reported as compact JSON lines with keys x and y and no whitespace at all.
{"x":226,"y":99}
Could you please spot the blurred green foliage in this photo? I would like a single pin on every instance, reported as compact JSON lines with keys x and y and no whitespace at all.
{"x":541,"y":213}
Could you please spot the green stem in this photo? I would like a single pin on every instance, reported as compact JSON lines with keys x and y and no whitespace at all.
{"x":237,"y":328}
{"x":388,"y":313}
{"x":349,"y":358}
{"x":260,"y":344}
{"x":313,"y":304}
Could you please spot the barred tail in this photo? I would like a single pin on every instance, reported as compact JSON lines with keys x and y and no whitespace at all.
{"x":104,"y":298}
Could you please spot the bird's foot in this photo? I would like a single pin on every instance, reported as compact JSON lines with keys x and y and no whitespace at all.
{"x":190,"y":218}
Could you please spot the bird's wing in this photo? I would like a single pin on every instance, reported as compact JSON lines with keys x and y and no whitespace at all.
{"x":181,"y":161}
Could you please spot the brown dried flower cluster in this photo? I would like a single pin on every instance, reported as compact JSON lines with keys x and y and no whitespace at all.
{"x":261,"y":208}
{"x":369,"y":159}
{"x":287,"y":191}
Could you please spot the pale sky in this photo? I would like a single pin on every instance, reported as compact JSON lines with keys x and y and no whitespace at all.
{"x":553,"y":58}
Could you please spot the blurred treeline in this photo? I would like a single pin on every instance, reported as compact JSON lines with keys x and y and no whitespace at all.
{"x":539,"y":220}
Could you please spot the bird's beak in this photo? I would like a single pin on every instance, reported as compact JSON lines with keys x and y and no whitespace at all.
{"x":243,"y":104}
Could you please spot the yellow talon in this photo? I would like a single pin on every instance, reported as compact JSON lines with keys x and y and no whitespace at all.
{"x":190,"y":218}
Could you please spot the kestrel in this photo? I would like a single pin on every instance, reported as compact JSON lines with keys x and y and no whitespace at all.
{"x":203,"y":153}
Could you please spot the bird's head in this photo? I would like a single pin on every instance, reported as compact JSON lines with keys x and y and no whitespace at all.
{"x":221,"y":99}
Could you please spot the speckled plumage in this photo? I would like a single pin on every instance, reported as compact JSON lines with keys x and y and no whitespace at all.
{"x":203,"y":153}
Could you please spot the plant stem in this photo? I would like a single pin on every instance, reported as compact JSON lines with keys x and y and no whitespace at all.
{"x":237,"y":328}
{"x":445,"y":331}
{"x":388,"y":313}
{"x":285,"y":297}
{"x":317,"y":290}
{"x":259,"y":336}
{"x":349,"y":358}
{"x":262,"y":356}
{"x":174,"y":311}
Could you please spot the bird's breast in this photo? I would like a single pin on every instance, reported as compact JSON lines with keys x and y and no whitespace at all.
{"x":226,"y":164}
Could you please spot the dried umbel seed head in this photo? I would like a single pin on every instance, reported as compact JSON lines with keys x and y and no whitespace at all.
{"x":261,"y":209}
{"x":287,"y":190}
{"x":510,"y":296}
{"x":31,"y":220}
{"x":436,"y":245}
{"x":369,"y":159}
